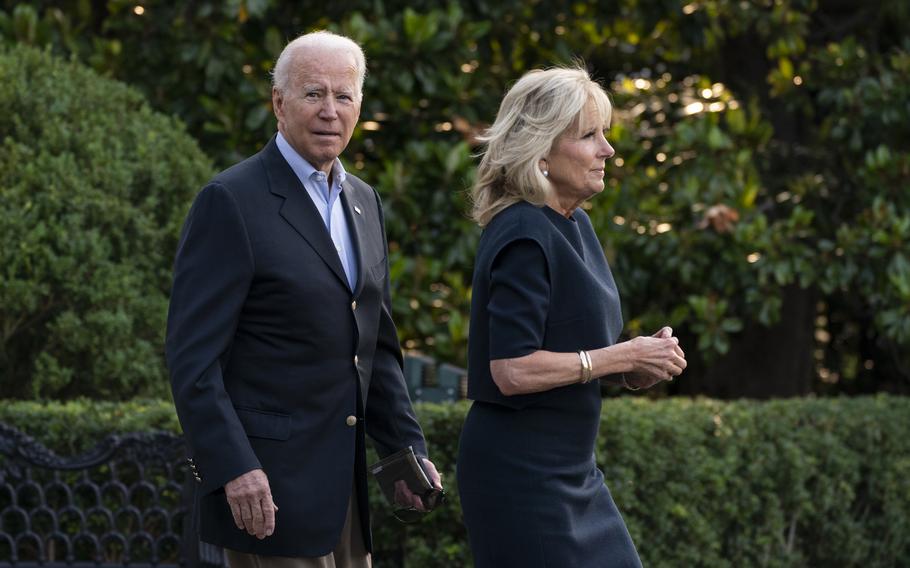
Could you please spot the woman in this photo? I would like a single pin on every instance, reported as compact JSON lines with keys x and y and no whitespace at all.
{"x":545,"y":317}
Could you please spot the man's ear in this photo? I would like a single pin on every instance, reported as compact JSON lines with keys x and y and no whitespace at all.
{"x":277,"y":103}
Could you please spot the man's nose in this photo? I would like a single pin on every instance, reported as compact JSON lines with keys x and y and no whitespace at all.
{"x":327,"y":108}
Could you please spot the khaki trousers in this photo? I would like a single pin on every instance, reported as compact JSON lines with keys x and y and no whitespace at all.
{"x":350,"y":551}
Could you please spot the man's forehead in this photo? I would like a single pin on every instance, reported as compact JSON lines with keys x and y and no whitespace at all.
{"x":338,"y":79}
{"x":324,"y":62}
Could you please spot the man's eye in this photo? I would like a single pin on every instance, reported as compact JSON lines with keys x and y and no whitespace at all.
{"x":346,"y":98}
{"x":311,"y":95}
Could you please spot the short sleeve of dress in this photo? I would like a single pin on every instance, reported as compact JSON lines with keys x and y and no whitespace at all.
{"x":519,"y":300}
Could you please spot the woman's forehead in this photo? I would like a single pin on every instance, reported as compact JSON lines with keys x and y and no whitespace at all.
{"x":593,"y":115}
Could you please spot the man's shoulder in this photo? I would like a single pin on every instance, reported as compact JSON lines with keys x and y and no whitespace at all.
{"x":242,"y":174}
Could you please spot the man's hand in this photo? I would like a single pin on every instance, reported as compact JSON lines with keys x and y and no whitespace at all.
{"x":251,"y":503}
{"x":435,"y":476}
{"x":405,"y":498}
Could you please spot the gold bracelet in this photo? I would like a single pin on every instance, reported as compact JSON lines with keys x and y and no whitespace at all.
{"x":586,"y":367}
{"x":581,"y":372}
{"x":626,"y":384}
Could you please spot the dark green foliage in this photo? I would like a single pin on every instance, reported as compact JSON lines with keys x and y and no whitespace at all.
{"x":773,"y":163}
{"x":764,"y":148}
{"x":793,"y":483}
{"x":785,"y":483}
{"x":73,"y":427}
{"x":94,"y":186}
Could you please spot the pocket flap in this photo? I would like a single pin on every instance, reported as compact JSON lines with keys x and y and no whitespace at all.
{"x":378,"y":270}
{"x":264,"y":424}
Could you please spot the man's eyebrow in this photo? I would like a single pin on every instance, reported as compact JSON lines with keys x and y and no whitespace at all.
{"x":311,"y":87}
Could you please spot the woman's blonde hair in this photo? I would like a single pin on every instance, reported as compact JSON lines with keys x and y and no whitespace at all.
{"x":537,"y":110}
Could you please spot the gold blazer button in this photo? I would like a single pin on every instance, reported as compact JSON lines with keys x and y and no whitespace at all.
{"x":351,"y":420}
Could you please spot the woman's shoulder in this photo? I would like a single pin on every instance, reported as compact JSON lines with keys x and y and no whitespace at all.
{"x":518,"y":218}
{"x":517,"y":222}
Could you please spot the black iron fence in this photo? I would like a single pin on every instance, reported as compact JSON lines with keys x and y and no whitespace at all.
{"x":127,"y":501}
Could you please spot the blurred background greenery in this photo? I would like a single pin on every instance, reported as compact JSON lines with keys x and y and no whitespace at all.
{"x":758,"y":202}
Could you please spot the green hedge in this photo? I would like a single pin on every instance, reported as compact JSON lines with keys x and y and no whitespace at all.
{"x":812,"y":482}
{"x":94,"y":186}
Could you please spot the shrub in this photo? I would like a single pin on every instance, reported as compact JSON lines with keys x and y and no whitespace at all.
{"x":700,"y":483}
{"x":94,"y":187}
{"x":757,"y":204}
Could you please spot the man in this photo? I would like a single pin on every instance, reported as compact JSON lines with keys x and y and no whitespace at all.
{"x":280,"y":344}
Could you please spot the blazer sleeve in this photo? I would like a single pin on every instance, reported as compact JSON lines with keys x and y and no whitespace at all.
{"x":212,"y":274}
{"x":390,"y":419}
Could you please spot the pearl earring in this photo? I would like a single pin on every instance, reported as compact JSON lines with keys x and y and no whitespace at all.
{"x":546,"y":173}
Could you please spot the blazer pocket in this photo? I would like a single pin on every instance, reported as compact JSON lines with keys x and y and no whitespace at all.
{"x":378,"y":270}
{"x":264,"y":424}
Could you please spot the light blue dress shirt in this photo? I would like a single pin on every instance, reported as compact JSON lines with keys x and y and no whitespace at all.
{"x":328,"y":203}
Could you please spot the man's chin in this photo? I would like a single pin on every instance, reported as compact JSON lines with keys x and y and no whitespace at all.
{"x":329,"y":149}
{"x":323,"y":160}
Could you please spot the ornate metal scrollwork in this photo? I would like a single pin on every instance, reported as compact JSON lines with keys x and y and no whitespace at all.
{"x":126,"y":501}
{"x":19,"y":447}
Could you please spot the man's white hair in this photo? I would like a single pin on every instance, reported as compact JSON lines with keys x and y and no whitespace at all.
{"x":281,"y":74}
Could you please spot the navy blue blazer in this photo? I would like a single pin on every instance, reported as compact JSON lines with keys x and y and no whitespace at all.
{"x":271,"y":354}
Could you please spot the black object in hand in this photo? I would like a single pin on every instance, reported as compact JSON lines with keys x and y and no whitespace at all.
{"x":406,"y":485}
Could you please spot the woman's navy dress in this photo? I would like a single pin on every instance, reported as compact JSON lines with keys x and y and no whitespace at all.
{"x":530,"y":490}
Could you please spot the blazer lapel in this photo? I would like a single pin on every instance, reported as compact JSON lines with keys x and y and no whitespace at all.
{"x":353,"y":211}
{"x":299,"y":210}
